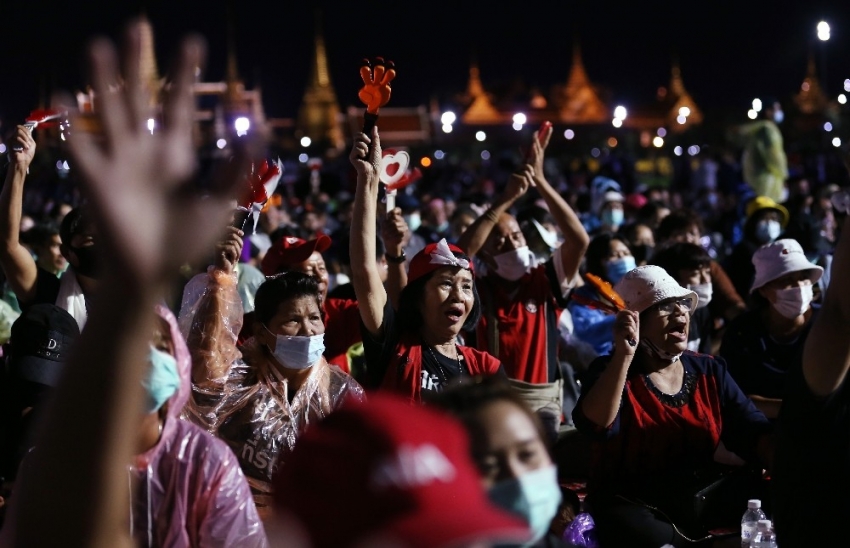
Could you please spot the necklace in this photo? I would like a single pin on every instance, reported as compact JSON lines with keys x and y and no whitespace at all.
{"x":443,"y":372}
{"x":689,"y":381}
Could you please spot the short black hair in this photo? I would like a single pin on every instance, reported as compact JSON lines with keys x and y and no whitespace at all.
{"x":681,"y":256}
{"x":73,"y":223}
{"x":41,"y":234}
{"x":679,"y":219}
{"x":281,"y":288}
{"x":598,"y":250}
{"x":409,"y":315}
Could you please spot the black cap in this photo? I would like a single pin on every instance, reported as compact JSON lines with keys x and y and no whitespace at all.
{"x":41,"y":340}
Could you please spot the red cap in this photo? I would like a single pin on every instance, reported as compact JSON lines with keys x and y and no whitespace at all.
{"x":436,"y":256}
{"x":385,"y":468}
{"x":289,"y":251}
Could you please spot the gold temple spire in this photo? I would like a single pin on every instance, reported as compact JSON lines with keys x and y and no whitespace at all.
{"x":811,"y":98}
{"x":319,"y":115}
{"x":481,"y":109}
{"x":579,"y":101}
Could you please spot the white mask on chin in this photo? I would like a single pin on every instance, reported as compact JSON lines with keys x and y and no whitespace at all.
{"x":513,"y":264}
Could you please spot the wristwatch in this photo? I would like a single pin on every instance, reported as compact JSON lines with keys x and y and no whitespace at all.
{"x":398,"y":260}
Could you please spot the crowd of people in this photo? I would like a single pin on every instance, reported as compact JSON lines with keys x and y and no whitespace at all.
{"x":344,"y":374}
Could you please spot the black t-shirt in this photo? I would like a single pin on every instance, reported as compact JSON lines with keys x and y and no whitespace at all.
{"x":437,"y":370}
{"x":811,"y":472}
{"x":46,"y":288}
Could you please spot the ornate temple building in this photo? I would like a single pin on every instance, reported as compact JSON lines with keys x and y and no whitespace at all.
{"x":319,"y":116}
{"x":578,"y":101}
{"x":811,"y":98}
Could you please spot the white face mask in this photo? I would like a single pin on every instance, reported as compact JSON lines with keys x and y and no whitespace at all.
{"x":298,"y":352}
{"x":704,"y":292}
{"x":768,"y":230}
{"x":413,"y":221}
{"x":794,"y":301}
{"x":514,"y":264}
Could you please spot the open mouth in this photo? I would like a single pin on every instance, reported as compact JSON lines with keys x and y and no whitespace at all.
{"x":454,"y":313}
{"x":678,"y":332}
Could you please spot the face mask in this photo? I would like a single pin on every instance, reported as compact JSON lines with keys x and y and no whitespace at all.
{"x":534,"y":497}
{"x":514,"y":264}
{"x":617,"y":268}
{"x":767,"y":231}
{"x":778,"y":116}
{"x":298,"y":352}
{"x":550,"y":237}
{"x":612,"y":217}
{"x":162,"y":380}
{"x":642,"y":252}
{"x":703,"y":292}
{"x":87,"y":260}
{"x":653,"y":350}
{"x":413,"y":221}
{"x":794,"y":301}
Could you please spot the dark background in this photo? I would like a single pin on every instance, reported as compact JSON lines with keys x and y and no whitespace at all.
{"x":729,"y":51}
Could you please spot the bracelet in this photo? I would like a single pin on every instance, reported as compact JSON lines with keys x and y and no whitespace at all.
{"x":398,"y":260}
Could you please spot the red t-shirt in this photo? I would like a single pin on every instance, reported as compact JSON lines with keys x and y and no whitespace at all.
{"x":528,"y":334}
{"x":342,"y":326}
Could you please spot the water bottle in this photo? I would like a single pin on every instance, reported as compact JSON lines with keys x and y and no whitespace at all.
{"x":750,"y":521}
{"x":765,"y":538}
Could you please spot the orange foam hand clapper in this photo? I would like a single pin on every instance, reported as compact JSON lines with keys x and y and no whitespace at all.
{"x":376,"y":89}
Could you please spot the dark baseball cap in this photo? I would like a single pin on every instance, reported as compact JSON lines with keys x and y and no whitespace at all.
{"x":41,"y":340}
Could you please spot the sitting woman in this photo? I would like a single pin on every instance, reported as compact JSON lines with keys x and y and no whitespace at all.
{"x":508,"y":444}
{"x":261,"y":399}
{"x":762,"y":345}
{"x":609,"y":258}
{"x":418,"y":351}
{"x":656,"y":414}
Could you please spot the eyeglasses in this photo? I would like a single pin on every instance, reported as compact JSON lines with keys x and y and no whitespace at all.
{"x":668,"y":307}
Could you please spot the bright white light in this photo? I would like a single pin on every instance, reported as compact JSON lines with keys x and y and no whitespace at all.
{"x":677,"y":151}
{"x":752,"y":115}
{"x":448,"y":118}
{"x":306,"y":141}
{"x":681,"y":119}
{"x":847,"y":84}
{"x":827,"y":126}
{"x":684,"y":111}
{"x":221,"y":143}
{"x":836,"y":142}
{"x":661,"y":132}
{"x":65,"y":165}
{"x":151,"y":125}
{"x":519,"y":118}
{"x":447,"y":128}
{"x":620,"y":112}
{"x":569,"y":134}
{"x":842,"y":99}
{"x":516,"y":126}
{"x":658,"y":142}
{"x":693,"y":150}
{"x":594,"y":152}
{"x":823,"y":31}
{"x":617,"y":122}
{"x":439,"y":154}
{"x":480,"y":135}
{"x":485,"y":154}
{"x":62,"y":136}
{"x":58,"y":164}
{"x":2,"y":148}
{"x":303,"y":158}
{"x":757,"y":105}
{"x":242,"y":125}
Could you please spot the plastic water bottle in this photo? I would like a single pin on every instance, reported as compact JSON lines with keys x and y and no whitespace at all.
{"x":749,"y":522}
{"x":765,"y":538}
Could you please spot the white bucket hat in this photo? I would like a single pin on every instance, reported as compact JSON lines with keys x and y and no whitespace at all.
{"x":772,"y":261}
{"x":647,"y":285}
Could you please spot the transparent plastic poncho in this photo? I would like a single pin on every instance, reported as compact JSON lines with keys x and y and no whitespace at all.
{"x":187,"y":489}
{"x":240,"y":396}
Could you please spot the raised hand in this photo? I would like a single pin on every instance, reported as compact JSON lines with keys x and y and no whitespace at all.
{"x":518,"y":183}
{"x":538,"y":147}
{"x":228,"y":249}
{"x":151,"y":215}
{"x":627,"y":331}
{"x":395,"y":232}
{"x":23,"y":149}
{"x":376,"y":89}
{"x":366,"y":155}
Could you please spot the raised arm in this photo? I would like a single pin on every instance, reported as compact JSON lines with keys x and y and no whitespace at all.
{"x":16,"y":261}
{"x":152,"y":219}
{"x":396,"y":234}
{"x":602,"y":402}
{"x":826,"y":356}
{"x":371,"y":295}
{"x":476,"y":235}
{"x":576,"y":239}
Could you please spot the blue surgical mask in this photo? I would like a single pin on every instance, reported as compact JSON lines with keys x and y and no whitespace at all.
{"x":298,"y":352}
{"x":162,"y":380}
{"x":413,"y":221}
{"x":617,"y":268}
{"x":768,"y":230}
{"x":534,"y":497}
{"x":612,"y":217}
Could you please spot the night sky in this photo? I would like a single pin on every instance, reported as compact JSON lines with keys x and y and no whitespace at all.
{"x":729,"y":51}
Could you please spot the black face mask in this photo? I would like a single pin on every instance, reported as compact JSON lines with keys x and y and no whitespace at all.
{"x":88,"y":259}
{"x":642,"y":252}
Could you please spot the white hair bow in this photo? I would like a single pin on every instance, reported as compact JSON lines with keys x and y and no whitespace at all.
{"x":442,"y":255}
